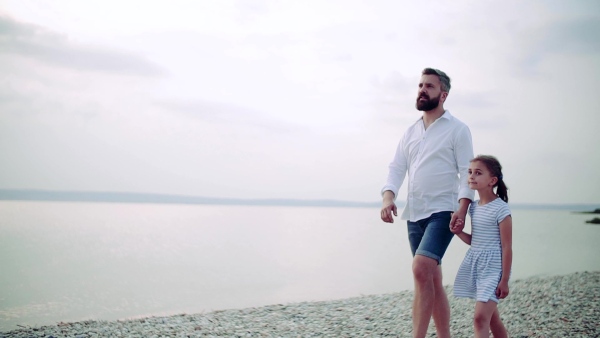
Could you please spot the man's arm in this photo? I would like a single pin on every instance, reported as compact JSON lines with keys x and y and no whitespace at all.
{"x":463,"y":154}
{"x":396,"y":175}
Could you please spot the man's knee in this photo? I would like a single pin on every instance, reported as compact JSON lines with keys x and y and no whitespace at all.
{"x":437,"y":276}
{"x":424,"y":268}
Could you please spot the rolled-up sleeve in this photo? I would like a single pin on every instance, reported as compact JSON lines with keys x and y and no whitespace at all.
{"x":397,"y":171}
{"x":463,"y":151}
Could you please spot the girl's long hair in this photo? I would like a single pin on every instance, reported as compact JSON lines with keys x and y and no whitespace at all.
{"x":493,"y":165}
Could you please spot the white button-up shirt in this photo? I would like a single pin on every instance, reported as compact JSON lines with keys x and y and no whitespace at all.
{"x":434,"y":159}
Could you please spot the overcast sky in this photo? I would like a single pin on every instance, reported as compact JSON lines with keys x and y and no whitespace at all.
{"x":291,"y":99}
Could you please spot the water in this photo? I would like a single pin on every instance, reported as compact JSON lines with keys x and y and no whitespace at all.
{"x":76,"y":261}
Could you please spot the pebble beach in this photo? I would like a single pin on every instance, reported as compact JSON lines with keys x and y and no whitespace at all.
{"x":550,"y":306}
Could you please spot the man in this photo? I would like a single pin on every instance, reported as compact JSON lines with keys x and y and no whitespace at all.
{"x":434,"y":151}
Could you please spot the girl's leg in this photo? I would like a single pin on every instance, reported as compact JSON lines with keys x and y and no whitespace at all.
{"x":483,"y":317}
{"x":498,"y":329}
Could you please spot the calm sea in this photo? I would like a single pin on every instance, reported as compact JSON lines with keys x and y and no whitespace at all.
{"x":63,"y":261}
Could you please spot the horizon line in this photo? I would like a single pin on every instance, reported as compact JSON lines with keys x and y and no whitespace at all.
{"x":137,"y":197}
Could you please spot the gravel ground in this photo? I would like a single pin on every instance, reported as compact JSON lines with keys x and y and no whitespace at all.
{"x":556,"y":306}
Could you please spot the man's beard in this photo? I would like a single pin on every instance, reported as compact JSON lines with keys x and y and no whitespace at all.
{"x":429,"y":103}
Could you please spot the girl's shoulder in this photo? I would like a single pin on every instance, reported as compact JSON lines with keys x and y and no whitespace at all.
{"x":500,"y":203}
{"x":497,"y":204}
{"x":501,"y":207}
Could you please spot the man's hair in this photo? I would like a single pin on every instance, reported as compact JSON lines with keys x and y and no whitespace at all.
{"x":444,"y":79}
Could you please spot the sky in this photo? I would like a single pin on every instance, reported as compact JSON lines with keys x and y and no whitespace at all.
{"x":291,"y":99}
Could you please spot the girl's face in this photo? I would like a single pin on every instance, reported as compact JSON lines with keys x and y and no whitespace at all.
{"x":480,"y":177}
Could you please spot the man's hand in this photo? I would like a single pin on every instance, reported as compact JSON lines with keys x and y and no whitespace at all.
{"x":461,"y":213}
{"x":458,"y":226}
{"x":457,"y":216}
{"x":388,"y":207}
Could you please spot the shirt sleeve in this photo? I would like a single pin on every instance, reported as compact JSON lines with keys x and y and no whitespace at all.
{"x":472,"y":207}
{"x":463,"y":151}
{"x":503,"y":212}
{"x":397,"y":170}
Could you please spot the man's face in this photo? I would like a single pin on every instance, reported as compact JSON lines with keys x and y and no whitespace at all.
{"x":430,"y":93}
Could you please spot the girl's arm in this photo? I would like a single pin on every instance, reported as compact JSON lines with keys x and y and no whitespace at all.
{"x":506,"y":241}
{"x":465,"y":237}
{"x":457,"y":229}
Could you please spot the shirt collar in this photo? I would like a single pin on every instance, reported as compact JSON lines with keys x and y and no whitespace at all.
{"x":446,"y":115}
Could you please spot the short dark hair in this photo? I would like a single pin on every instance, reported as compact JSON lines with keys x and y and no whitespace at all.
{"x":444,"y":79}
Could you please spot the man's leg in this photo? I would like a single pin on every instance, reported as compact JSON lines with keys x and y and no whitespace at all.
{"x":424,"y":269}
{"x":429,"y":238}
{"x":441,"y":307}
{"x":430,"y":298}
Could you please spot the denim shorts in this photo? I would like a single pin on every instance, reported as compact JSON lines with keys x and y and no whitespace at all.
{"x":431,"y":236}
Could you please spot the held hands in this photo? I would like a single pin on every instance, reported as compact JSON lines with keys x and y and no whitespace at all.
{"x":459,"y":215}
{"x":502,"y":289}
{"x":457,"y":226}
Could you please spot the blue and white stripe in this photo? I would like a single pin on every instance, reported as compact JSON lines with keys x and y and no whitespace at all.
{"x":481,"y":270}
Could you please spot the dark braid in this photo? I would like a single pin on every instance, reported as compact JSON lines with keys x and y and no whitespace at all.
{"x":493,"y":165}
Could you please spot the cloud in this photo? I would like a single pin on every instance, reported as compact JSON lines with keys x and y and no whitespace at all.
{"x":395,"y":90}
{"x":395,"y":82}
{"x":228,"y":114}
{"x":472,"y":100}
{"x":393,"y":97}
{"x":50,"y":47}
{"x":575,"y":36}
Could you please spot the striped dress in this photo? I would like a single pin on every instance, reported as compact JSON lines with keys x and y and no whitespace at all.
{"x":481,"y":270}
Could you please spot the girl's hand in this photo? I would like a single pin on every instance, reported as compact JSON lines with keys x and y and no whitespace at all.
{"x":502,"y":290}
{"x":458,"y":226}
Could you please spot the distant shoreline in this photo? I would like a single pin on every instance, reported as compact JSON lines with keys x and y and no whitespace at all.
{"x":129,"y":197}
{"x":132,"y":197}
{"x":596,"y":211}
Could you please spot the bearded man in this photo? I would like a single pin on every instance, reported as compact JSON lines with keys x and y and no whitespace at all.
{"x":435,"y":152}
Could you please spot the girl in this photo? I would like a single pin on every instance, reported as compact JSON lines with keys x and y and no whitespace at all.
{"x":484,"y":272}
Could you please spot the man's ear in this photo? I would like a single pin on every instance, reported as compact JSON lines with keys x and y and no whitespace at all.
{"x":444,"y":96}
